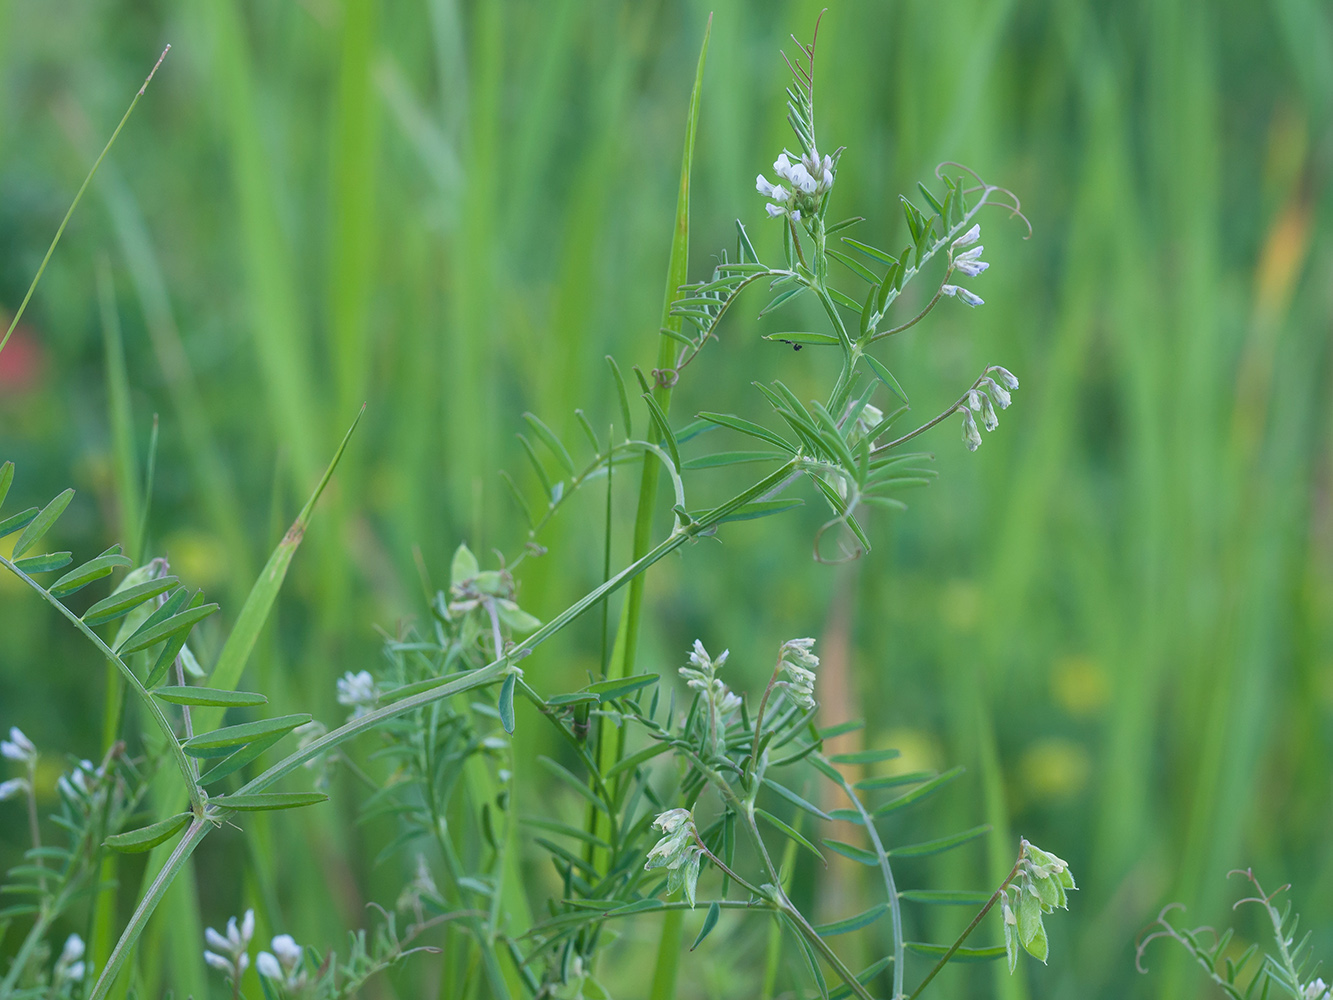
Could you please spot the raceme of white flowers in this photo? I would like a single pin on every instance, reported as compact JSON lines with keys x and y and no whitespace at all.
{"x":979,"y":401}
{"x":229,"y":953}
{"x":969,"y":262}
{"x":678,"y":852}
{"x":358,"y":692}
{"x":701,"y":675}
{"x":798,"y":667}
{"x":808,"y":177}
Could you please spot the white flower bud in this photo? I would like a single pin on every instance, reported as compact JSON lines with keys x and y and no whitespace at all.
{"x":1006,"y":377}
{"x":75,"y":972}
{"x":773,"y":211}
{"x":988,"y":418}
{"x":963,"y":295}
{"x":268,"y":966}
{"x":217,"y":961}
{"x":763,"y":187}
{"x":73,"y":950}
{"x":289,"y":952}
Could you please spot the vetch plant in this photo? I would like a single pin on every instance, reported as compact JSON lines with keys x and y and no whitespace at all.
{"x":1287,"y":970}
{"x":684,"y":792}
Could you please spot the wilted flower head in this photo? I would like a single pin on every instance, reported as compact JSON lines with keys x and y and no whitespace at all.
{"x":229,"y":953}
{"x":678,"y":851}
{"x":283,"y":964}
{"x":358,"y":692}
{"x":18,"y":747}
{"x":809,"y":178}
{"x":798,"y":665}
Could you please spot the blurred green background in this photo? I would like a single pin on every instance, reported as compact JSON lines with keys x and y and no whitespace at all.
{"x":1118,"y":613}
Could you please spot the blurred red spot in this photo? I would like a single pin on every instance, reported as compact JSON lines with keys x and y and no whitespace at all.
{"x":22,"y":360}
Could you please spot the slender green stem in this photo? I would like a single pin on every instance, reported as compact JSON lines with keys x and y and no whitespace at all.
{"x":156,"y":890}
{"x":20,"y":960}
{"x":886,"y":872}
{"x":787,"y":907}
{"x":154,"y":709}
{"x":77,"y":197}
{"x":953,"y":948}
{"x":945,"y":415}
{"x":939,"y":294}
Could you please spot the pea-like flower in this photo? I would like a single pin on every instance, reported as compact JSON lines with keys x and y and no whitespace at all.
{"x":963,"y":295}
{"x":971,"y":436}
{"x":809,"y":178}
{"x":229,"y":953}
{"x":1315,"y":990}
{"x":995,"y":385}
{"x":678,"y":852}
{"x":358,"y":692}
{"x":798,"y":666}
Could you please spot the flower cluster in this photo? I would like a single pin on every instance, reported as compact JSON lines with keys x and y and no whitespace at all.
{"x":969,"y":262}
{"x":1041,"y":885}
{"x":979,"y":401}
{"x":1317,"y":989}
{"x":798,"y":664}
{"x":81,"y":783}
{"x":701,"y":675}
{"x":283,"y":965}
{"x":809,"y":178}
{"x":230,"y":953}
{"x":678,"y":851}
{"x":358,"y":692}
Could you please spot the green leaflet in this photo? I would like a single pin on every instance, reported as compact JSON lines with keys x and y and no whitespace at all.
{"x":145,"y":839}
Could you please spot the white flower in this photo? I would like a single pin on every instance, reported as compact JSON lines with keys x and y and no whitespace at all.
{"x":18,"y":747}
{"x":999,"y":392}
{"x":358,"y":692}
{"x":810,"y":178}
{"x":1005,"y":376}
{"x":968,"y":238}
{"x":798,"y":664}
{"x":970,"y":262}
{"x":988,"y":418}
{"x":287,"y":950}
{"x":13,"y":788}
{"x":971,"y":436}
{"x":69,"y":966}
{"x":1314,"y":990}
{"x":229,"y":952}
{"x":963,"y":295}
{"x":973,"y":400}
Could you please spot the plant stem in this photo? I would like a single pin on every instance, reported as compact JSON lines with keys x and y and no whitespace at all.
{"x":928,"y":424}
{"x":156,"y":890}
{"x":154,"y":709}
{"x":953,"y":948}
